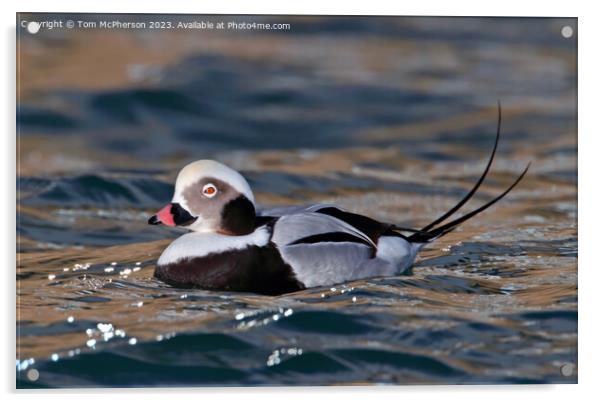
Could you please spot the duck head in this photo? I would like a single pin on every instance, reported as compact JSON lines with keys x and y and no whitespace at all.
{"x":210,"y":197}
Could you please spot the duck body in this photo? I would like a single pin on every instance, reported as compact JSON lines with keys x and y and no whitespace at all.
{"x":233,"y":247}
{"x":303,"y":247}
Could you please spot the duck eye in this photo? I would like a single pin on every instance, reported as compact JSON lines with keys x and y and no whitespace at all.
{"x":209,"y":190}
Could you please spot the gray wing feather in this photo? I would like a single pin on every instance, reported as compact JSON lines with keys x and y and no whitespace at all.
{"x":326,"y":263}
{"x":290,"y":228}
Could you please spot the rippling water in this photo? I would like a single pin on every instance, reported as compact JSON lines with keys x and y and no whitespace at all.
{"x":391,"y":117}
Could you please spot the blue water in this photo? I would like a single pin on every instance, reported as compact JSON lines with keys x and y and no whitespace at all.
{"x":390,"y":117}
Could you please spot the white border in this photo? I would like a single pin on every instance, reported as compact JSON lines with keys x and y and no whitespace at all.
{"x":551,"y":8}
{"x":589,"y":193}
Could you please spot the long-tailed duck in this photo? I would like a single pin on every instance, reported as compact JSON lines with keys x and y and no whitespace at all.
{"x":233,"y":247}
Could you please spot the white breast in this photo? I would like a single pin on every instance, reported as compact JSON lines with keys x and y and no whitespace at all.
{"x":197,"y":244}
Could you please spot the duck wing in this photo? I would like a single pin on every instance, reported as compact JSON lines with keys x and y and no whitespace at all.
{"x":323,"y":250}
{"x":314,"y":227}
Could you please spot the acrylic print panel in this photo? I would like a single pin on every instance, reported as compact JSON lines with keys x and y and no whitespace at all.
{"x":387,"y":121}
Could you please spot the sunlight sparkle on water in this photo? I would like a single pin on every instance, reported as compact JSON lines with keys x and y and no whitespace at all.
{"x":104,"y":327}
{"x":83,"y":267}
{"x":23,"y":364}
{"x":273,"y":317}
{"x":276,"y":357}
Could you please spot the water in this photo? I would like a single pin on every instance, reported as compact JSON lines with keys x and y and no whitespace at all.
{"x":389,"y":117}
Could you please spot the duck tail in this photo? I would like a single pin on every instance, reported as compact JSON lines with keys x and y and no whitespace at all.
{"x":424,"y":236}
{"x":431,"y":231}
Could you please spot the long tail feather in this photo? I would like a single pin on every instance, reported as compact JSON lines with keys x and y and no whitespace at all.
{"x":468,"y":196}
{"x":422,"y":236}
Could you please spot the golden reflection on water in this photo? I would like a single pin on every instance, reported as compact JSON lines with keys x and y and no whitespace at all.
{"x":64,"y":286}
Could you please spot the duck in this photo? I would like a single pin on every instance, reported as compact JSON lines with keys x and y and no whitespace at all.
{"x":234,"y":246}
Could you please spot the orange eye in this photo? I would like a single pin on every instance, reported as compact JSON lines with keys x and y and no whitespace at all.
{"x":209,"y":190}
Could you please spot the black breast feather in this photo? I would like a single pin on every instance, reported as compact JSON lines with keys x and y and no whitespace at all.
{"x":253,"y":269}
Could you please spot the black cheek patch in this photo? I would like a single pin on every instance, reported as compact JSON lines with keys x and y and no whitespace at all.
{"x":238,"y":216}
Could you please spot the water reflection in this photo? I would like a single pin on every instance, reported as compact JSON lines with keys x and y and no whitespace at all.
{"x":387,"y":117}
